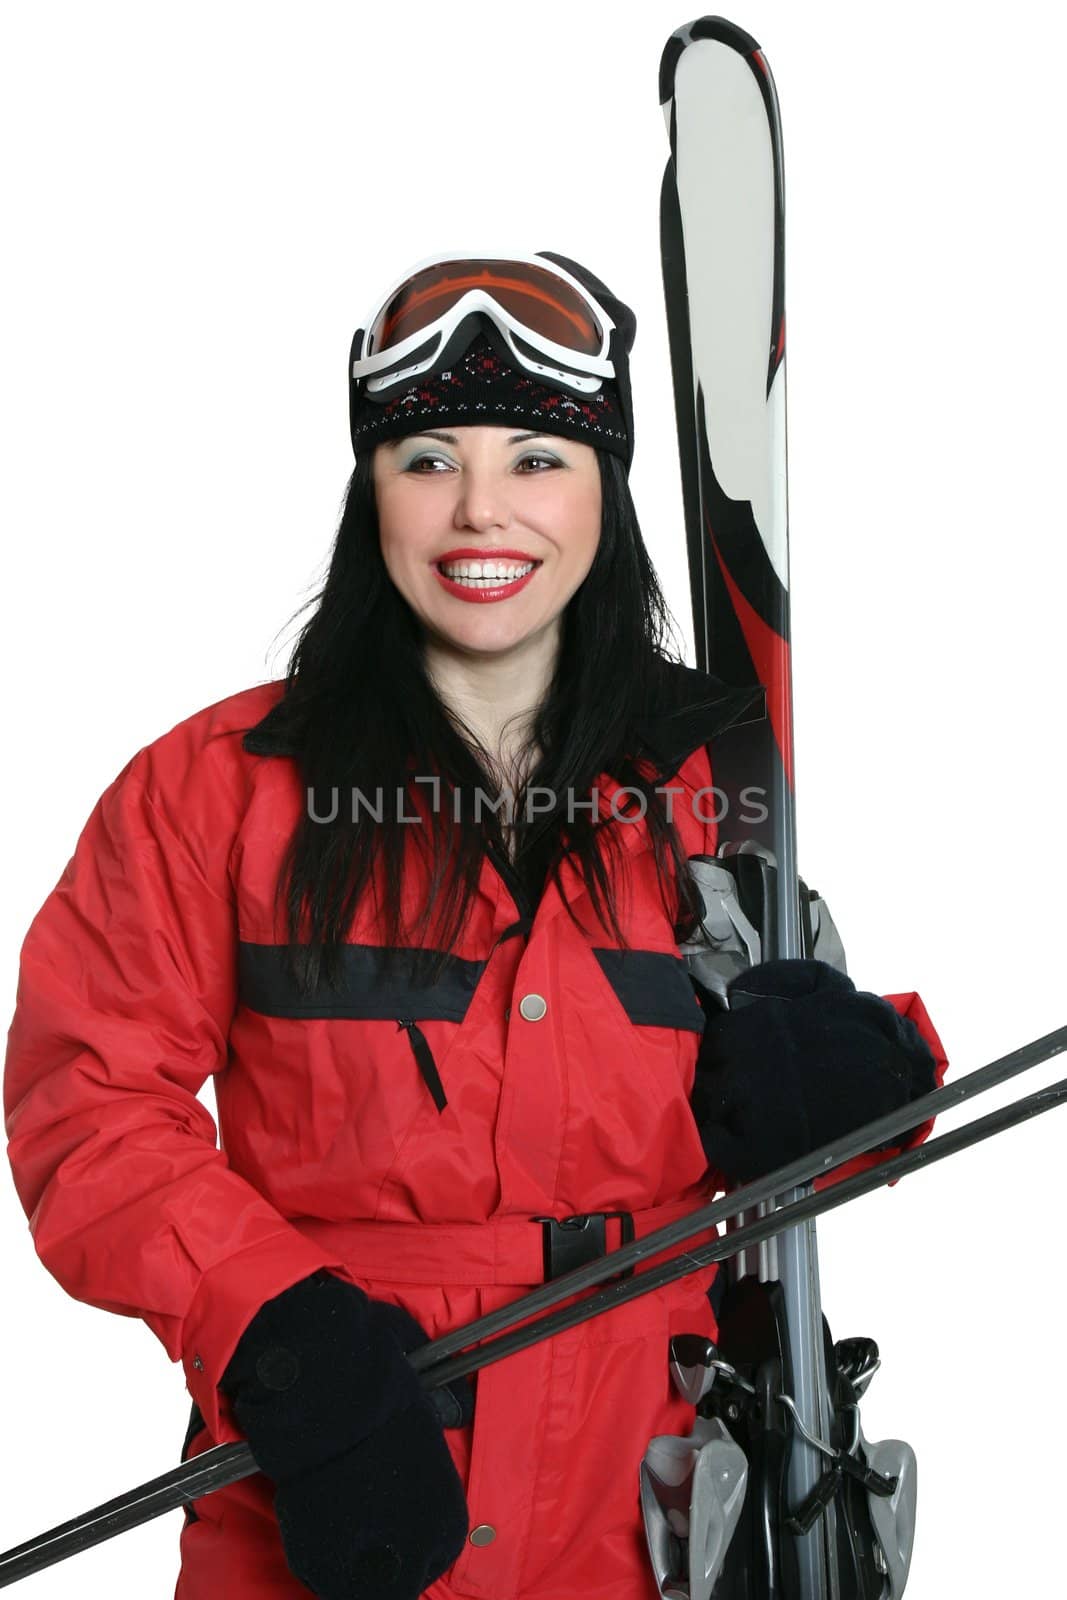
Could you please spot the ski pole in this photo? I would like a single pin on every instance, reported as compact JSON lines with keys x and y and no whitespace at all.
{"x":438,"y":1363}
{"x":804,"y":1170}
{"x":437,"y":1368}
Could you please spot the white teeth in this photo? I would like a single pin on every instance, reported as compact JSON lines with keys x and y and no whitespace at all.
{"x":487,"y":571}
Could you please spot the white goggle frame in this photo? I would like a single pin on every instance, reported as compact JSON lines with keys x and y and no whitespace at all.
{"x":378,"y":372}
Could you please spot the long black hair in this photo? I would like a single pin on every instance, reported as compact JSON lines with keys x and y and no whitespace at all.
{"x":358,"y":705}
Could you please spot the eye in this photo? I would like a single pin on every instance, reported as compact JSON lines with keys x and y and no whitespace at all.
{"x":548,"y":460}
{"x":420,"y":460}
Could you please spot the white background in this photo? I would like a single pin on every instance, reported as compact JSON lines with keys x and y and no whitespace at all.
{"x":200,"y":200}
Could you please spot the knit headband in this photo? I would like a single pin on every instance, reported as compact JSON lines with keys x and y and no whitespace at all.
{"x":482,"y":388}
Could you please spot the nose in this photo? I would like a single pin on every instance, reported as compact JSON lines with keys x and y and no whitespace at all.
{"x":484,"y":498}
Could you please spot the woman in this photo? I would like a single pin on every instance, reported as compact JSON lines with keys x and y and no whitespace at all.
{"x":441,"y":1020}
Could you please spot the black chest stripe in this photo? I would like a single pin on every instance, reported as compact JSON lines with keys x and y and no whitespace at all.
{"x":654,"y":988}
{"x":266,"y":985}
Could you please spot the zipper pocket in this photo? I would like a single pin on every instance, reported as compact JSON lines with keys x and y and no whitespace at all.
{"x":426,"y":1063}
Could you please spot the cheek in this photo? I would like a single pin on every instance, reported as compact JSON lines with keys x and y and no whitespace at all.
{"x":390,"y":546}
{"x":399,"y":533}
{"x":585,"y":529}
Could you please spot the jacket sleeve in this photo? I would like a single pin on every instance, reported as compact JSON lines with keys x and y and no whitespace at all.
{"x":126,"y":990}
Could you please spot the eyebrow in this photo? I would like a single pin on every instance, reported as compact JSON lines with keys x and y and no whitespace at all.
{"x":450,"y":438}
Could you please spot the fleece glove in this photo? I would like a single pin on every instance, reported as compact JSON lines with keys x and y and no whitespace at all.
{"x":367,"y":1497}
{"x":800,"y":1058}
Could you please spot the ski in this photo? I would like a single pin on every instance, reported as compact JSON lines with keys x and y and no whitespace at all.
{"x":722,"y":233}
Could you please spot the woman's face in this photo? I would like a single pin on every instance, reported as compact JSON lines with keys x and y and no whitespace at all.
{"x":466,"y":495}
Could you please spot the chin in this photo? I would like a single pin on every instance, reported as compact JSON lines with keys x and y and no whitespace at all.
{"x":480,"y":645}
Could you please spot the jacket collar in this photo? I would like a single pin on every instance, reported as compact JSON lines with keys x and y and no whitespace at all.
{"x":692,"y":708}
{"x":689,"y":709}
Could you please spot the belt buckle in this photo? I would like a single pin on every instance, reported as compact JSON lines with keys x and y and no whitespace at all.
{"x":569,"y":1242}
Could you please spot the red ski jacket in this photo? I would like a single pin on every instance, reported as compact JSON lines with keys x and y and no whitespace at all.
{"x":566,"y":1065}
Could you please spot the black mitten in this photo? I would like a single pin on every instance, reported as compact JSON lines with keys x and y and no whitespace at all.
{"x":800,"y":1058}
{"x":368,"y":1499}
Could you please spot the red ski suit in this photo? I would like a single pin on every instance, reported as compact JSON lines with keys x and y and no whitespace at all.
{"x":567,"y":1064}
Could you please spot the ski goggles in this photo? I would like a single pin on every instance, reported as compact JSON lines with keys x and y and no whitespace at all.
{"x":554,"y":328}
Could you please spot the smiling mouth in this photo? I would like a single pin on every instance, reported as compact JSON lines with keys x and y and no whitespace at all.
{"x":491,"y":590}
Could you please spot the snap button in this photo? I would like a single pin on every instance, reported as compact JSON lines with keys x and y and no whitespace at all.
{"x":484,"y":1533}
{"x":533,"y":1007}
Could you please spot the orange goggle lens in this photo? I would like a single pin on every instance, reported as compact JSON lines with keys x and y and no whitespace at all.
{"x":536,"y":298}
